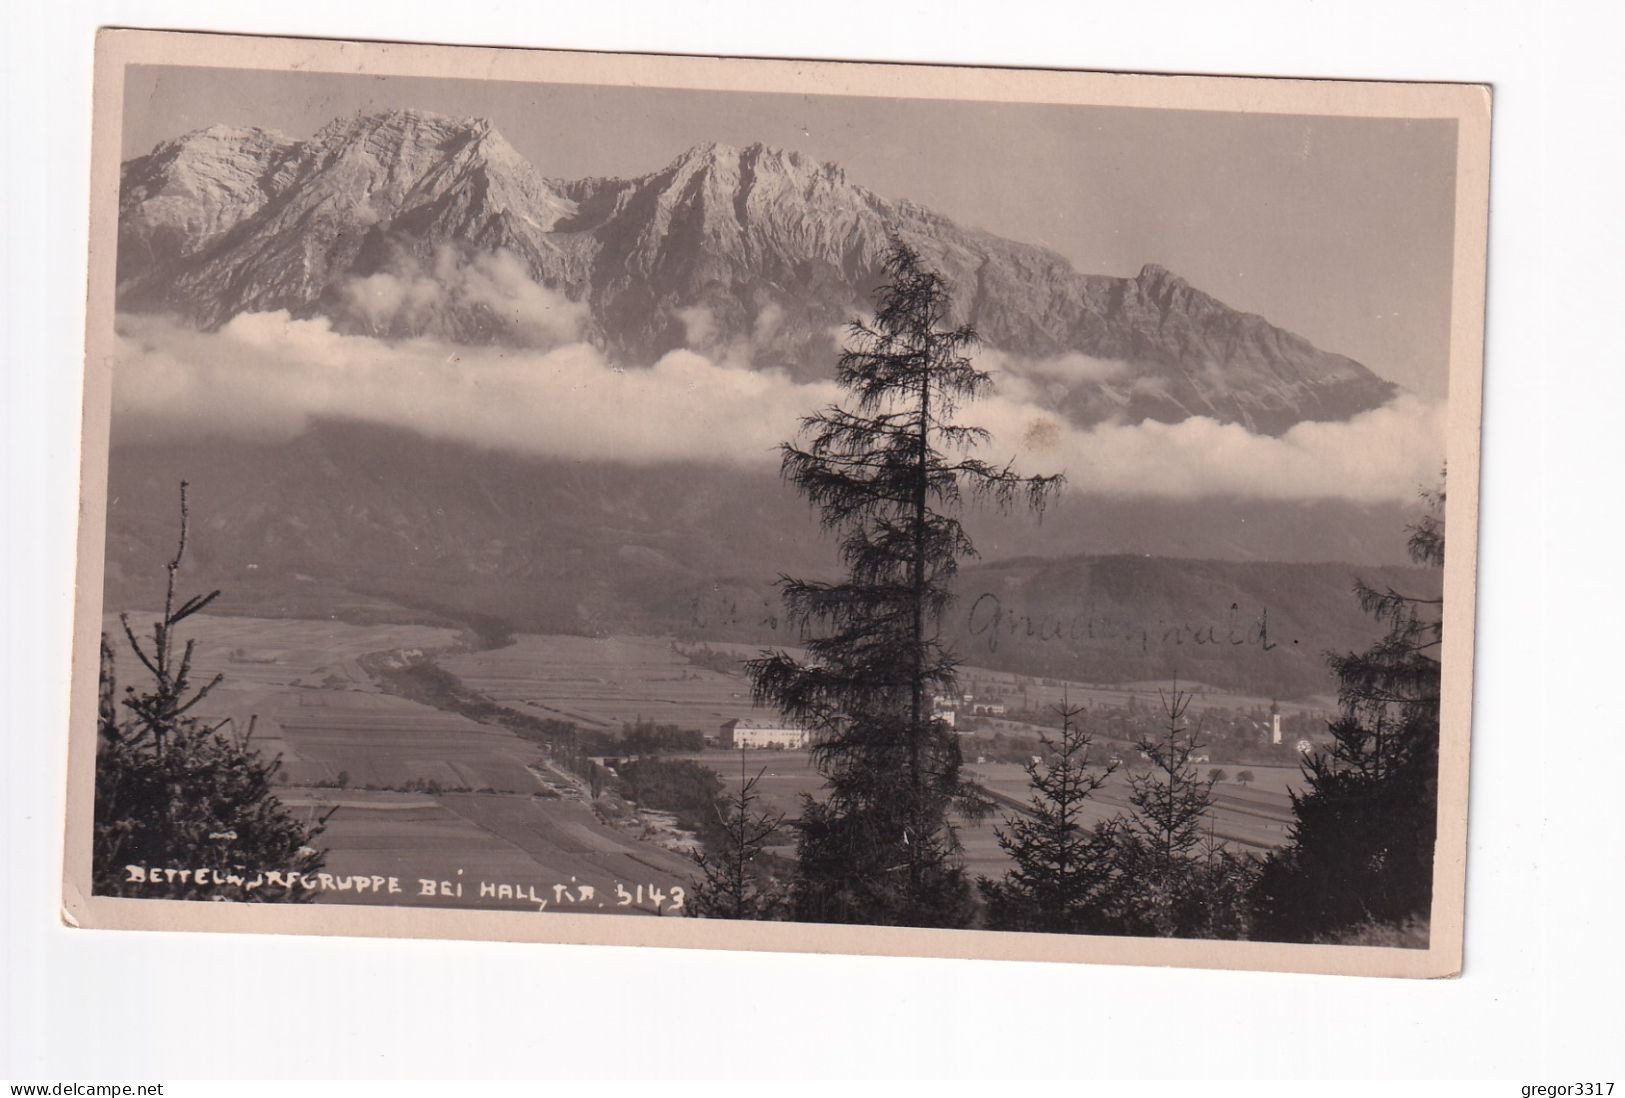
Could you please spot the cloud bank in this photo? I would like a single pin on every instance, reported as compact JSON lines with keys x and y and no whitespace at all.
{"x":266,"y":375}
{"x":411,"y":299}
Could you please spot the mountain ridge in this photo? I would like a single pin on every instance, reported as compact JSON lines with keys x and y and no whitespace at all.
{"x":748,"y":245}
{"x":348,"y":514}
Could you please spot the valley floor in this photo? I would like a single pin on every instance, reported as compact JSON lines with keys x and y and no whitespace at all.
{"x":462,"y":813}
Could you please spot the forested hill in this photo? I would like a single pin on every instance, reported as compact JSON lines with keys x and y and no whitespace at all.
{"x":353,"y":521}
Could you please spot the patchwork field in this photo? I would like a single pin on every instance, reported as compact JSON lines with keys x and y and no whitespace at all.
{"x":314,"y":705}
{"x":603,"y":682}
{"x":1031,"y":692}
{"x":284,"y":651}
{"x":496,"y":811}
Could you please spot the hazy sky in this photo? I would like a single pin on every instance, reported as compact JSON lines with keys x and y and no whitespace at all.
{"x":1338,"y":229}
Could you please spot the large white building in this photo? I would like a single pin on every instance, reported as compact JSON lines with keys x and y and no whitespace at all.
{"x":749,"y":735}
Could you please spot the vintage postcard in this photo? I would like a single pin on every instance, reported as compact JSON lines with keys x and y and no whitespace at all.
{"x":778,"y":505}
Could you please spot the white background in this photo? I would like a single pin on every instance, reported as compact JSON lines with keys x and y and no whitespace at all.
{"x":1540,"y":999}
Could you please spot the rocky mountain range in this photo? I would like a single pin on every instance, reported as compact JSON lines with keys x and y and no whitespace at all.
{"x":753,"y":247}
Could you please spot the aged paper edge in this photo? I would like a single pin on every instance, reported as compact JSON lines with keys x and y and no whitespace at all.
{"x":1468,"y":104}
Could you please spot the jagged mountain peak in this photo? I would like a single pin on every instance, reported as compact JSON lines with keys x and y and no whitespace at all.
{"x":1172,"y":294}
{"x":223,"y":134}
{"x":192,"y":189}
{"x":715,"y":152}
{"x":403,"y":141}
{"x":735,"y":165}
{"x":193,"y":158}
{"x":1167,"y":290}
{"x":402,"y":123}
{"x":296,"y":222}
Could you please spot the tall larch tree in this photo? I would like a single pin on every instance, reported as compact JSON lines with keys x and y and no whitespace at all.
{"x":888,"y":473}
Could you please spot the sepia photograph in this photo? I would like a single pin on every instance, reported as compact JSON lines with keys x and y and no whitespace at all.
{"x":753,"y":504}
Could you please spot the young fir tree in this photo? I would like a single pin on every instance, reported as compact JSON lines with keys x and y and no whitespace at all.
{"x":1158,"y":885}
{"x":733,"y":883}
{"x":887,"y":473}
{"x":175,"y":792}
{"x":1062,"y":867}
{"x":1361,"y":848}
{"x":1219,"y":905}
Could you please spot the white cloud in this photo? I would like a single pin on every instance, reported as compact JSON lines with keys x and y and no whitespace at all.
{"x":267,"y":374}
{"x":699,"y":325}
{"x":703,"y":335}
{"x":767,"y":324}
{"x":406,"y":300}
{"x":1072,"y":366}
{"x":1383,"y":454}
{"x":1050,"y":380}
